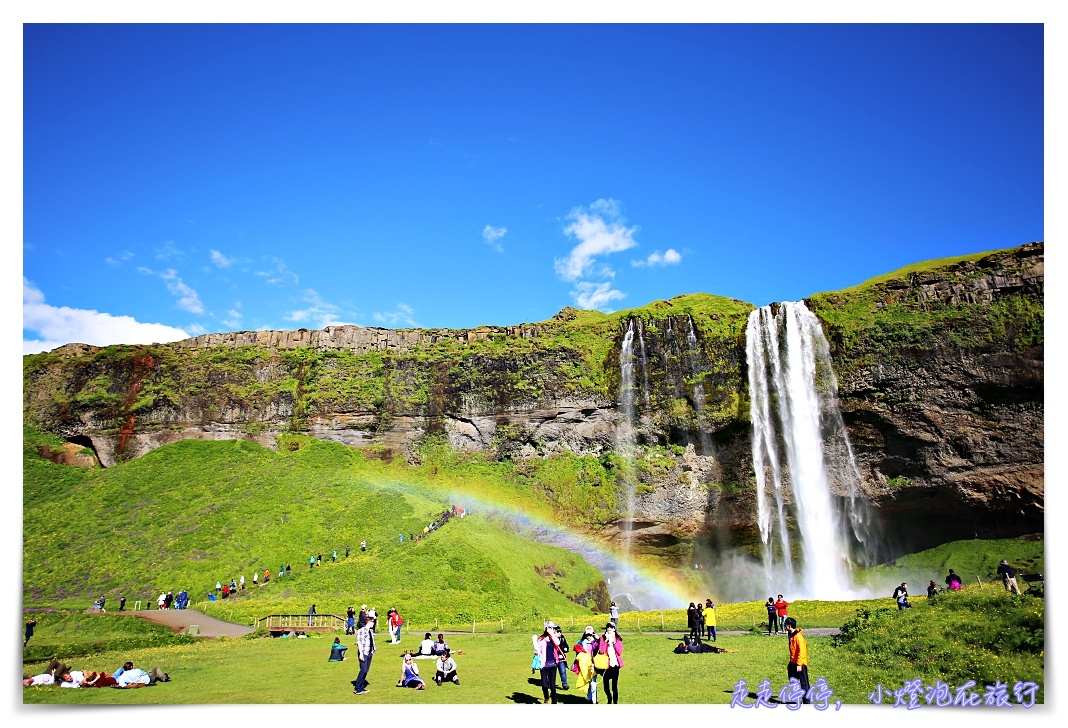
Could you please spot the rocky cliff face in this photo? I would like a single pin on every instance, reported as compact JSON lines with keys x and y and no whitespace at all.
{"x":940,"y":374}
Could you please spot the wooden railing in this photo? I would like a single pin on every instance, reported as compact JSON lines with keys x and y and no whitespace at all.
{"x":300,"y":622}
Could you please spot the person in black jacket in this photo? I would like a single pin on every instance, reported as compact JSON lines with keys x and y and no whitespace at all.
{"x":1008,"y":577}
{"x":562,"y":665}
{"x":773,"y":616}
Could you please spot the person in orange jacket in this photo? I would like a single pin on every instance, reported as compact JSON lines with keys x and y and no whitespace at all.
{"x":798,"y":665}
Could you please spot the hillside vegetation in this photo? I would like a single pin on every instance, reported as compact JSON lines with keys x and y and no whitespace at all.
{"x":194,"y":512}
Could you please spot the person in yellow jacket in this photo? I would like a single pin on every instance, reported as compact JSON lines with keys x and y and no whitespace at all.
{"x":584,"y":678}
{"x":798,"y":665}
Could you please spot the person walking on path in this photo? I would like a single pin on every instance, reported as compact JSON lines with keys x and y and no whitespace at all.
{"x":613,"y":614}
{"x":365,"y":647}
{"x":611,"y":644}
{"x":548,"y":649}
{"x":242,"y":581}
{"x":30,"y":624}
{"x":584,"y":676}
{"x":311,"y":561}
{"x":773,"y":617}
{"x":311,"y":614}
{"x":781,"y":607}
{"x":288,"y":570}
{"x":395,"y":622}
{"x":1008,"y":577}
{"x":122,"y":604}
{"x":363,"y":545}
{"x":710,"y":619}
{"x":797,"y":667}
{"x":334,"y":557}
{"x":346,"y":552}
{"x":319,"y":560}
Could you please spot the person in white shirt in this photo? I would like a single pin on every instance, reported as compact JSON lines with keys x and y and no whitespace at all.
{"x":42,"y":679}
{"x":446,"y":670}
{"x":73,"y":679}
{"x":426,"y":647}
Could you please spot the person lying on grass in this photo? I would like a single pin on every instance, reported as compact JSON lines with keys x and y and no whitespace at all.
{"x":135,"y":677}
{"x":410,"y":675}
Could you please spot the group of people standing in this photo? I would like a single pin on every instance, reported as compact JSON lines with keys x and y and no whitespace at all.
{"x":595,"y":658}
{"x":777,"y":613}
{"x":166,"y":600}
{"x":701,"y":620}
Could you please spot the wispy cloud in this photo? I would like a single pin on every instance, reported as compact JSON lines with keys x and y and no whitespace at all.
{"x":119,"y":259}
{"x":188,"y":300}
{"x":493,"y":236}
{"x":233,"y":316}
{"x":220,"y":260}
{"x":401,"y":318}
{"x":588,"y":294}
{"x":59,"y":325}
{"x":599,"y":230}
{"x":655,"y":259}
{"x":318,"y":314}
{"x":278,"y":272}
{"x":169,"y":251}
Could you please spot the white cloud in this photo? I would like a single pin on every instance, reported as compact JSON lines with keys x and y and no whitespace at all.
{"x":600,"y":230}
{"x":169,"y":251}
{"x":319,"y":313}
{"x":493,"y":235}
{"x":188,"y":300}
{"x":122,"y":258}
{"x":588,"y":294}
{"x":278,"y":273}
{"x":220,"y":260}
{"x":670,"y":257}
{"x":400,"y":318}
{"x":233,"y":317}
{"x":59,"y":325}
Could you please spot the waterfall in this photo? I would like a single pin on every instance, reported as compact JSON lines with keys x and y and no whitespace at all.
{"x":795,"y":417}
{"x":644,"y":364}
{"x":698,"y":390}
{"x":625,"y":431}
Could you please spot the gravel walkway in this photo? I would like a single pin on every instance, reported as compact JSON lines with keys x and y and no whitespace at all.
{"x":180,"y":619}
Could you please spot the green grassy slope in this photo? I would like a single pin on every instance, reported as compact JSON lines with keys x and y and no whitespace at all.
{"x":191,"y":513}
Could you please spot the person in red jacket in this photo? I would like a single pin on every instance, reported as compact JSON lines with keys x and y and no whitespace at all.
{"x":780,"y":611}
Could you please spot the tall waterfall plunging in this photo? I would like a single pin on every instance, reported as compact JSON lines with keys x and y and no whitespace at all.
{"x":625,"y":435}
{"x":801,"y":453}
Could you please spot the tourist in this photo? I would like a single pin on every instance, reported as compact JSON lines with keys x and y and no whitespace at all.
{"x":781,"y":607}
{"x":584,"y":675}
{"x":135,"y":677}
{"x":256,"y":579}
{"x":337,"y":651}
{"x":319,"y":560}
{"x":588,"y":640}
{"x":710,"y":619}
{"x":350,"y":620}
{"x":43,"y":679}
{"x":242,"y":581}
{"x":446,"y":670}
{"x":611,"y":644}
{"x":288,"y":569}
{"x":30,"y":625}
{"x":691,"y":613}
{"x":218,"y":586}
{"x":333,"y":558}
{"x":122,"y":604}
{"x":1008,"y":577}
{"x":699,"y":622}
{"x":99,"y":680}
{"x":562,"y":664}
{"x":266,"y":575}
{"x":72,"y":679}
{"x":372,"y":615}
{"x":773,"y":617}
{"x":395,"y":622}
{"x":233,"y":586}
{"x":441,"y":646}
{"x":362,"y":619}
{"x":311,"y":614}
{"x":161,"y":602}
{"x":613,"y":614}
{"x":953,"y":581}
{"x":797,"y":667}
{"x":226,"y":591}
{"x":547,"y":648}
{"x":410,"y":675}
{"x":311,"y":561}
{"x":426,"y":647}
{"x":363,"y":545}
{"x":365,"y":646}
{"x":932,"y":589}
{"x":901,"y":595}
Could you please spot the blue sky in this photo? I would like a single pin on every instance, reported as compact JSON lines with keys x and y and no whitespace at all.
{"x":186,"y":179}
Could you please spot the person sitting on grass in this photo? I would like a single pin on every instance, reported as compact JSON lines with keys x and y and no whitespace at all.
{"x":446,"y":670}
{"x":426,"y":647}
{"x":410,"y":675}
{"x":337,"y":651}
{"x":440,"y":647}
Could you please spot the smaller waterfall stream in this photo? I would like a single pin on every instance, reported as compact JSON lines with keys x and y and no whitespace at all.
{"x":625,"y":436}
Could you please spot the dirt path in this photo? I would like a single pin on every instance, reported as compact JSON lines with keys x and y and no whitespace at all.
{"x":180,"y":619}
